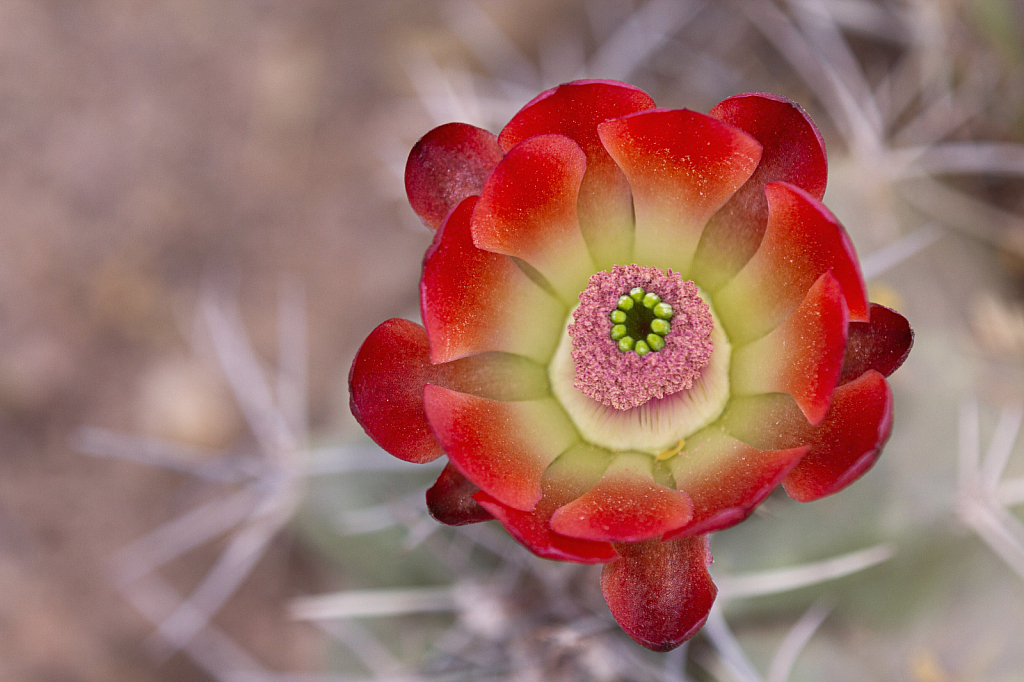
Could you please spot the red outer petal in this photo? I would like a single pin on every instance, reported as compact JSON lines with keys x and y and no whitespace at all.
{"x":473,"y":300}
{"x":575,"y":472}
{"x":802,"y":241}
{"x":386,"y":390}
{"x":793,"y":152}
{"x":842,"y":447}
{"x":527,"y":209}
{"x":660,"y":592}
{"x":682,"y":167}
{"x":532,"y":529}
{"x":847,"y":442}
{"x":881,"y":344}
{"x":450,"y":499}
{"x":625,"y":506}
{"x":575,"y":110}
{"x":801,"y":357}
{"x":447,"y":165}
{"x":503,"y":447}
{"x":726,"y":479}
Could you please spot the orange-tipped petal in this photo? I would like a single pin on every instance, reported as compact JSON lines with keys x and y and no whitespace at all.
{"x":474,"y":300}
{"x":682,"y":167}
{"x":793,"y":152}
{"x":726,"y":479}
{"x":802,"y":241}
{"x":660,"y":592}
{"x":502,"y":447}
{"x":627,"y":505}
{"x":386,"y":390}
{"x":450,"y":499}
{"x":447,"y":165}
{"x":576,"y":109}
{"x":881,"y":344}
{"x":527,"y":209}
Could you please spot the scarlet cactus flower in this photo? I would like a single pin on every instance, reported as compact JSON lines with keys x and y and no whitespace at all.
{"x":637,"y":323}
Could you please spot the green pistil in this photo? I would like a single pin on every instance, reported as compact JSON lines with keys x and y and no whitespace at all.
{"x":640,"y":328}
{"x":660,"y":326}
{"x":655,"y":342}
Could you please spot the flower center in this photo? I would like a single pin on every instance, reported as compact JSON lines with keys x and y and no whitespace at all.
{"x":640,"y":322}
{"x":639,"y":333}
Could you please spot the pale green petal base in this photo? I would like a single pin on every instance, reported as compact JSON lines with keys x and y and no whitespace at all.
{"x":657,"y":425}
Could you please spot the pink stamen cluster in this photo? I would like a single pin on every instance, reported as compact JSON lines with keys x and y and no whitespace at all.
{"x":627,"y":380}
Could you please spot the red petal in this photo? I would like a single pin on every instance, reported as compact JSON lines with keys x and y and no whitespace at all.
{"x":571,"y":475}
{"x":881,"y":344}
{"x":802,"y":356}
{"x":625,"y":506}
{"x":450,"y":499}
{"x":660,"y":592}
{"x":682,"y":167}
{"x":447,"y":165}
{"x":503,"y":447}
{"x":847,"y":442}
{"x":802,"y":241}
{"x":793,"y":152}
{"x":726,"y":479}
{"x":474,"y":301}
{"x":386,"y":390}
{"x":534,"y":532}
{"x":527,"y":209}
{"x":575,"y":110}
{"x":842,"y":447}
{"x":497,"y":376}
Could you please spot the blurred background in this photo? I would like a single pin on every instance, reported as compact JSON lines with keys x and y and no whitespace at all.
{"x":202,"y":215}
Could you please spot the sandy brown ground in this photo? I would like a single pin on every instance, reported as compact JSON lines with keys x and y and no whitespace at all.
{"x":147,"y":148}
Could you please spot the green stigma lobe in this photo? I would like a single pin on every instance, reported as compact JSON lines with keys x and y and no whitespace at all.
{"x":634,"y":327}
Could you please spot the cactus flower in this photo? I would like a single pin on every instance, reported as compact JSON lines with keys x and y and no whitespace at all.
{"x":637,"y":323}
